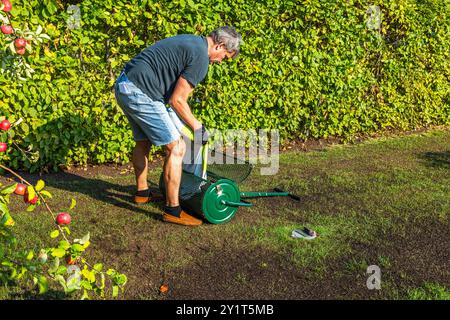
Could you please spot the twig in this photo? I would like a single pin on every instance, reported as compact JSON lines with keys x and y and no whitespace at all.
{"x":42,"y":198}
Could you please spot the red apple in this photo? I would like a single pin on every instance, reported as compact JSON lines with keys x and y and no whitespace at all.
{"x":7,"y":29}
{"x":20,"y":43}
{"x":20,"y":189}
{"x":5,"y":125}
{"x":28,"y":200}
{"x":7,"y":5}
{"x":63,"y":218}
{"x":3,"y":147}
{"x":20,"y":51}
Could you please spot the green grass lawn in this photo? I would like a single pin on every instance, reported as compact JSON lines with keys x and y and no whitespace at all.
{"x":383,"y":202}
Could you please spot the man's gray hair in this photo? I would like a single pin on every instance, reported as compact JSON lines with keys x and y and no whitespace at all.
{"x":230,"y":38}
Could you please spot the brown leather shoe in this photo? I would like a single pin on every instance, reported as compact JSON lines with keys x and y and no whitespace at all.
{"x":152,"y":197}
{"x":184,"y":219}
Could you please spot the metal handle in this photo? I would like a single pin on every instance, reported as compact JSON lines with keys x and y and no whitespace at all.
{"x":263,"y":194}
{"x":292,"y":196}
{"x":235,"y":204}
{"x":278,"y":193}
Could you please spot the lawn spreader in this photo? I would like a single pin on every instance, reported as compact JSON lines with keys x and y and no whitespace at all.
{"x":217,"y":198}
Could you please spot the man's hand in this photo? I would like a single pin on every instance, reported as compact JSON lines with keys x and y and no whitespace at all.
{"x":201,"y":133}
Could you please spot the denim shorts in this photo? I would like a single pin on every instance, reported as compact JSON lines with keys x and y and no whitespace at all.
{"x":149,"y":119}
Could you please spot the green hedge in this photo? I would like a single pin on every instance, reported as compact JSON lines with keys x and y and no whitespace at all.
{"x":309,"y":68}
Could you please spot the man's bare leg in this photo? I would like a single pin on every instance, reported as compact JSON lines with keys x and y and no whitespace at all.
{"x":140,"y":163}
{"x":172,"y":171}
{"x":172,"y":179}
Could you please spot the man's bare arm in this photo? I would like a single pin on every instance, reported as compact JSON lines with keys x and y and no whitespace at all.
{"x":178,"y":101}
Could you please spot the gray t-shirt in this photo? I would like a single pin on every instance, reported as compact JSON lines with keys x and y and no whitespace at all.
{"x":156,"y":69}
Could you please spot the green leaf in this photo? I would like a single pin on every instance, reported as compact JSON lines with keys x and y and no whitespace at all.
{"x":13,"y":274}
{"x":6,"y":199}
{"x":31,"y":192}
{"x":63,"y":244}
{"x":30,"y":255}
{"x":9,"y":189}
{"x":54,"y":267}
{"x":111,"y":272}
{"x":102,"y":281}
{"x":31,"y":207}
{"x":40,"y":185}
{"x":51,"y":7}
{"x":22,"y":272}
{"x":83,"y":240}
{"x":46,"y":193}
{"x":85,"y":296}
{"x":98,"y":267}
{"x":25,"y":128}
{"x":3,"y":208}
{"x":43,"y":284}
{"x":58,"y":252}
{"x":72,"y":204}
{"x":54,"y":234}
{"x":121,"y":279}
{"x":12,"y":47}
{"x":89,"y":275}
{"x":73,"y":283}
{"x":28,"y":47}
{"x":61,"y":270}
{"x":191,"y":4}
{"x":86,"y":244}
{"x":77,"y":247}
{"x":115,"y":291}
{"x":7,"y":220}
{"x":86,"y":284}
{"x":60,"y":279}
{"x":32,"y":112}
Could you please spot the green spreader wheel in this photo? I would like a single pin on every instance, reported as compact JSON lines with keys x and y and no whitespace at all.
{"x":216,"y":200}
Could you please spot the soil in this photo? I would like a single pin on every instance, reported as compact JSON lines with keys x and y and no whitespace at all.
{"x":257,"y":273}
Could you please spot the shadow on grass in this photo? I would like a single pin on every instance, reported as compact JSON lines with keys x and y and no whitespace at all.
{"x":436,"y":159}
{"x":120,"y":196}
{"x":60,"y":133}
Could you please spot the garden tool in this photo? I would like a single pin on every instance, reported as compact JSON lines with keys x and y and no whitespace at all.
{"x":212,"y":191}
